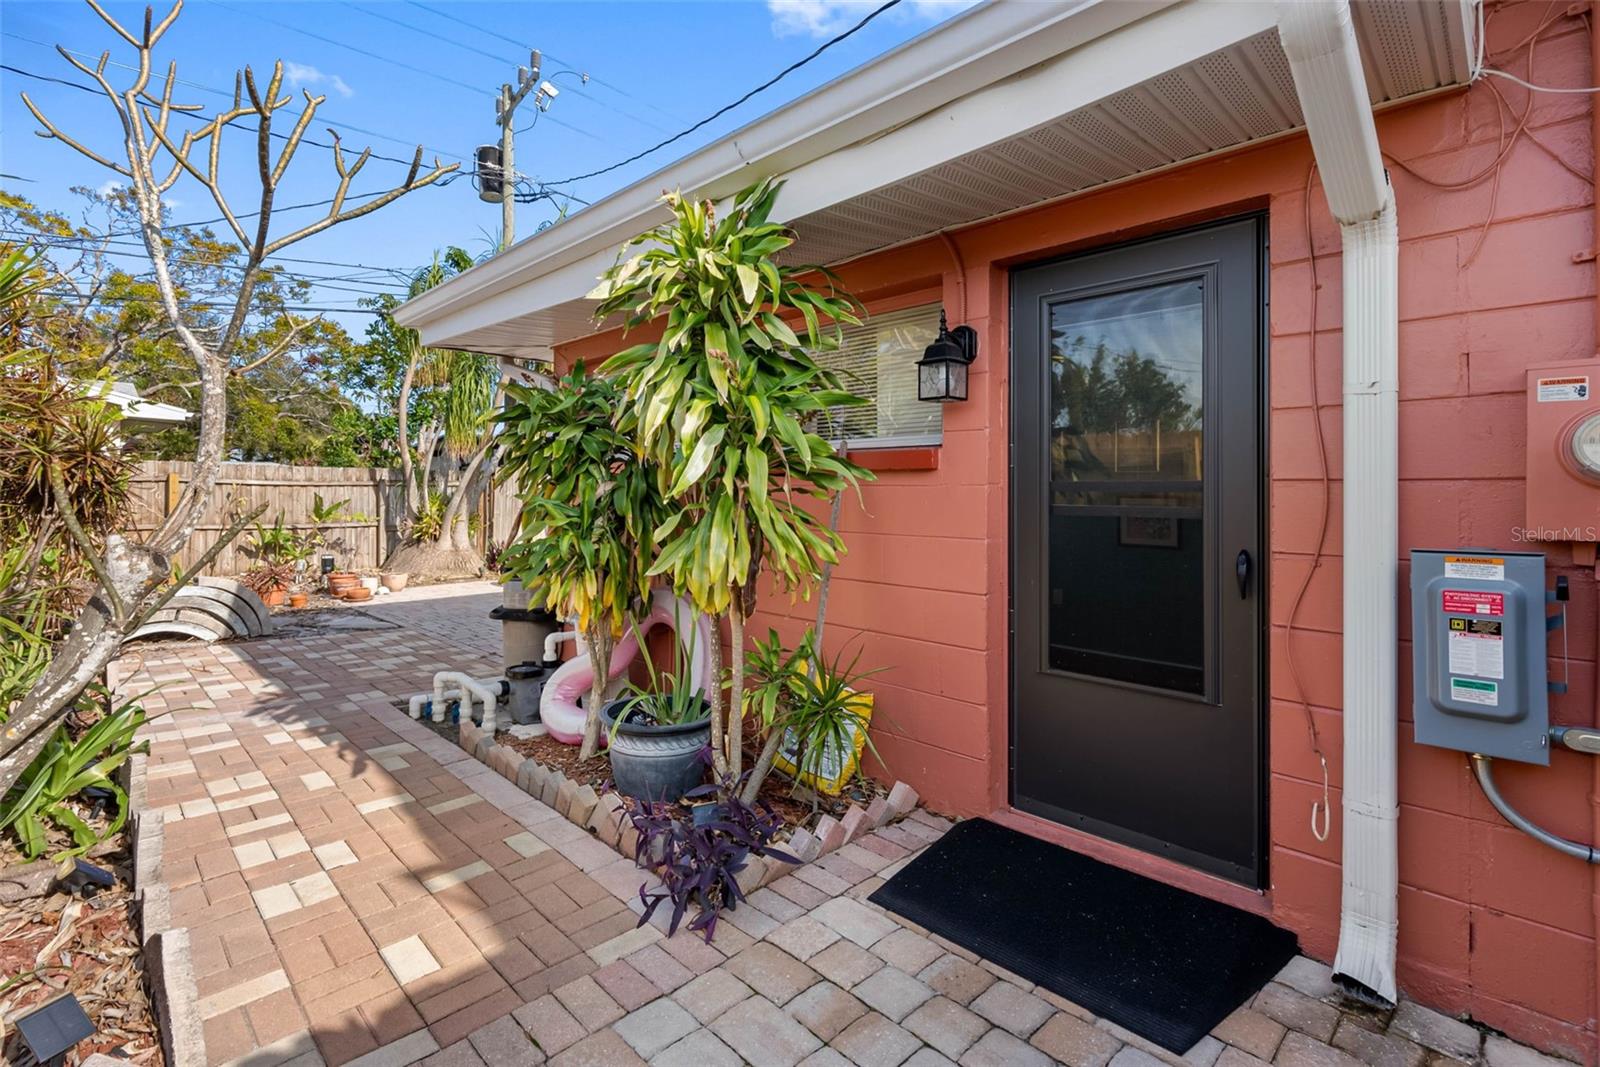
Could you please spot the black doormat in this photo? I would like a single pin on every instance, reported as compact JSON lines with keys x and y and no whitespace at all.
{"x":1161,"y":962}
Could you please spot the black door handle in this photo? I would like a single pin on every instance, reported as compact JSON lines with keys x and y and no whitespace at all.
{"x":1241,"y":569}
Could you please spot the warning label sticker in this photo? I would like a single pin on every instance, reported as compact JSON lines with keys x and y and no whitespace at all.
{"x":1473,"y":602}
{"x":1558,"y":390}
{"x":1477,"y":653}
{"x":1470,"y":691}
{"x":1487,"y":568}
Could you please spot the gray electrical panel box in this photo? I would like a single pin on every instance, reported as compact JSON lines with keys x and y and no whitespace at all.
{"x":1478,"y":652}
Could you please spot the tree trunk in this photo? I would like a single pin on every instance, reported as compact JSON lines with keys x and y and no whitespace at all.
{"x":736,"y":690}
{"x":827,"y":579}
{"x":719,"y":752}
{"x":407,"y":471}
{"x":136,"y":573}
{"x":600,"y":646}
{"x":763,"y":767}
{"x":439,"y":558}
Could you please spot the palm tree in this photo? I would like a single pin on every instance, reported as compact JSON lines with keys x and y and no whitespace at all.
{"x":462,"y":391}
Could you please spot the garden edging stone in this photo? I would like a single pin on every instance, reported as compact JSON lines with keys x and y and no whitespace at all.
{"x":603,"y":815}
{"x":174,"y":992}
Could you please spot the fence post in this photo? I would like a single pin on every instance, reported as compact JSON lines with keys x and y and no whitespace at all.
{"x":172,"y":492}
{"x":381,"y":482}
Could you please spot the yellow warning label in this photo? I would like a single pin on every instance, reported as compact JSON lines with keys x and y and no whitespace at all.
{"x":1486,"y":568}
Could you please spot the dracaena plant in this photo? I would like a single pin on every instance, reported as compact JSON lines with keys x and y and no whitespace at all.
{"x":722,"y":402}
{"x":589,"y":506}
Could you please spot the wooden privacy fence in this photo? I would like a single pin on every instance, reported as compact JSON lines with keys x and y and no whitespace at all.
{"x":376,"y":508}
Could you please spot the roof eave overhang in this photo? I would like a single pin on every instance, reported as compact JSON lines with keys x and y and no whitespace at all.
{"x":1003,"y":72}
{"x":990,"y":43}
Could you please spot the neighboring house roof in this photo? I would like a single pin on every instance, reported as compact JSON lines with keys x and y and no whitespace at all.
{"x":1003,"y":107}
{"x":138,"y":413}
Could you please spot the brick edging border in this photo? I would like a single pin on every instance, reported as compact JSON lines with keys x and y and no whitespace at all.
{"x":167,"y":956}
{"x":601,"y":815}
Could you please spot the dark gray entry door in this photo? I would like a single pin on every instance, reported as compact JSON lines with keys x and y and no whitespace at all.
{"x":1137,"y":587}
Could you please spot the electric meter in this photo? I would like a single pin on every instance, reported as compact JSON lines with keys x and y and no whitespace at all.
{"x":1563,"y":457}
{"x":1583,"y":446}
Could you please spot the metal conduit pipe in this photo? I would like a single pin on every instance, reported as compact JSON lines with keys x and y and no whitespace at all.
{"x":1575,"y":849}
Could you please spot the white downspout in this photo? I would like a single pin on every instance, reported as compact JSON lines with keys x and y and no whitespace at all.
{"x":1320,"y":41}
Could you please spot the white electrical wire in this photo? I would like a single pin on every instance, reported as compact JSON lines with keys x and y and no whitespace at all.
{"x":1536,"y":88}
{"x":1480,"y":68}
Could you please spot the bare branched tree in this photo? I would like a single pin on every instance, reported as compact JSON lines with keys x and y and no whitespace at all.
{"x":135,"y":578}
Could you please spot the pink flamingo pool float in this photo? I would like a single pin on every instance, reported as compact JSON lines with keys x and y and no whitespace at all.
{"x":559,"y":707}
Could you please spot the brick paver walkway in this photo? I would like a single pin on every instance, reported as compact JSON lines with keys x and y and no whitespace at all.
{"x":359,"y":891}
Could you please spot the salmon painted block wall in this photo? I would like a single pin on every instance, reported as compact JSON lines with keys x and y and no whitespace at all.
{"x":1491,"y":924}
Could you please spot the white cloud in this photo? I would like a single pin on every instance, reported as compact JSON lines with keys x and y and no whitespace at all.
{"x":107,"y":188}
{"x":302,"y":74}
{"x":824,"y":18}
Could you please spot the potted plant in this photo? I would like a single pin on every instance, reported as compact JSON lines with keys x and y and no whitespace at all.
{"x":658,"y":733}
{"x":272,"y":544}
{"x":590,"y":506}
{"x":720,"y":404}
{"x":270,"y":581}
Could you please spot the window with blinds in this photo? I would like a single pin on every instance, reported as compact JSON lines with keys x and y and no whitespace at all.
{"x":878,"y":360}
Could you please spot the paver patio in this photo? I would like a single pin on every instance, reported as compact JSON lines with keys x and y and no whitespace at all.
{"x":358,"y":890}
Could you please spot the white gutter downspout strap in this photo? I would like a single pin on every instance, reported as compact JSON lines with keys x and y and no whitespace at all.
{"x":1320,"y":41}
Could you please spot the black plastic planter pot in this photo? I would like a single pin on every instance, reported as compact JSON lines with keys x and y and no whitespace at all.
{"x":655,"y":762}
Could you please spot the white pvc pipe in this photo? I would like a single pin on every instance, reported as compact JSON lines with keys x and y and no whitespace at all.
{"x":1319,"y":39}
{"x":439,"y":698}
{"x":554,"y":639}
{"x":469,"y":689}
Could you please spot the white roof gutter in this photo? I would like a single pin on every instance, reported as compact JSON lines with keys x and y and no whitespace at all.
{"x":1320,"y":41}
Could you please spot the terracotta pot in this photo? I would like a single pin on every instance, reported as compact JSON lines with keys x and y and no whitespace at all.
{"x":273,"y":597}
{"x":337,"y":583}
{"x":394,"y":582}
{"x":299,"y":600}
{"x":356,"y":593}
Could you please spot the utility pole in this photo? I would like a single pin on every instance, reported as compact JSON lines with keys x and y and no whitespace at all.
{"x":505,"y":111}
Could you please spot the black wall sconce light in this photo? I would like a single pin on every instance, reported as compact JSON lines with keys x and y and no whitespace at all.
{"x":942,"y":370}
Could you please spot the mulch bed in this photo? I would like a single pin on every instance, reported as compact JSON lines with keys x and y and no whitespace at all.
{"x":84,"y":945}
{"x":796,"y":810}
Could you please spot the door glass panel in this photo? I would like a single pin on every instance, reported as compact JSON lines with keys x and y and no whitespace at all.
{"x":1127,"y":513}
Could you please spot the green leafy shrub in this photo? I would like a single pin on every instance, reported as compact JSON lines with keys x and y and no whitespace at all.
{"x":811,"y":709}
{"x":589,"y":506}
{"x":721,"y":403}
{"x":65,"y":768}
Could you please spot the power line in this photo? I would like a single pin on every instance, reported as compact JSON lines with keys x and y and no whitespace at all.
{"x":361,"y":286}
{"x":351,"y":127}
{"x":91,"y":242}
{"x":236,"y":124}
{"x":208,"y":306}
{"x":555,"y":58}
{"x":498,"y":58}
{"x":251,"y":10}
{"x":541,"y":194}
{"x":769,"y":83}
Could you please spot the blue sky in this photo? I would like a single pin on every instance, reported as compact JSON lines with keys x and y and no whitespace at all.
{"x":655,"y":68}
